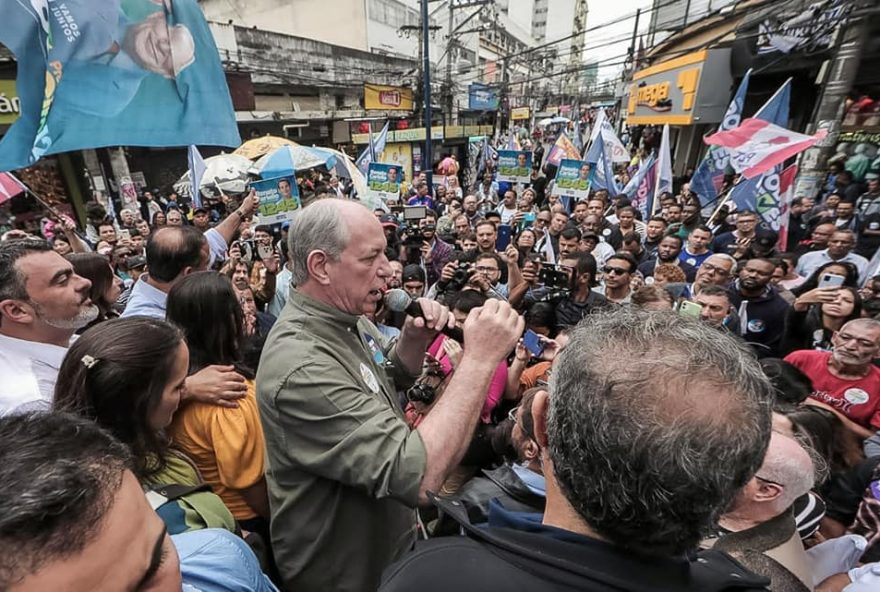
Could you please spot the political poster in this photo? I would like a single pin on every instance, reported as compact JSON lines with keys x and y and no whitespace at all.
{"x":514,"y":166}
{"x":111,"y":73}
{"x":572,"y":179}
{"x":279,"y":199}
{"x":383,"y":180}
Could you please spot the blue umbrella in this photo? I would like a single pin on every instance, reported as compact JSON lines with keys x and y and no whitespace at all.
{"x":287,"y":160}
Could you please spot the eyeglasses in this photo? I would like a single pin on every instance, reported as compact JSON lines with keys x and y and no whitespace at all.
{"x":713,"y":268}
{"x":511,"y":415}
{"x":487,"y":269}
{"x":542,"y":220}
{"x":777,"y":484}
{"x":615,"y":270}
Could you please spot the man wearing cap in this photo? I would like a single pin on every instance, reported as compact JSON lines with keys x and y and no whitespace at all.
{"x":202,"y":219}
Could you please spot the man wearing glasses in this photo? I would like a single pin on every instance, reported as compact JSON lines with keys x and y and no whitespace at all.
{"x":717,"y":270}
{"x":616,"y":276}
{"x":759,"y":529}
{"x":518,"y":486}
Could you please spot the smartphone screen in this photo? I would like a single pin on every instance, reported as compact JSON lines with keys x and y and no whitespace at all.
{"x":831,"y":280}
{"x":503,"y":240}
{"x":533,"y":342}
{"x":690,"y":309}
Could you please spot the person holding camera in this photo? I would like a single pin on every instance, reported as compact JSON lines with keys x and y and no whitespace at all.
{"x":483,"y":274}
{"x":568,"y":286}
{"x":435,"y":252}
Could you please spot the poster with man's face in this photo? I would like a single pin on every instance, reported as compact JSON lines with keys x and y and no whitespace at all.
{"x":383,"y":180}
{"x":572,"y":179}
{"x":279,"y":199}
{"x":514,"y":166}
{"x":95,"y":73}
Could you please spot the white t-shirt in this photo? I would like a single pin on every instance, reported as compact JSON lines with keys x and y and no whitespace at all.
{"x":29,"y":370}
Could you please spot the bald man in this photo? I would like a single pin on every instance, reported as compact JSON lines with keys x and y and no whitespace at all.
{"x":345,"y":470}
{"x":759,"y":529}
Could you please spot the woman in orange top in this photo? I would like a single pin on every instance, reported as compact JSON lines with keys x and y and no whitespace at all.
{"x":226,"y":444}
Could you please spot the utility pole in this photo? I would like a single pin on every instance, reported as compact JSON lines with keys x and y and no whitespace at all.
{"x":840,"y":73}
{"x":427,"y":157}
{"x":450,"y":54}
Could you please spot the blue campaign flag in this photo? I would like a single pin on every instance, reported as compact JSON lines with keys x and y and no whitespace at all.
{"x":373,"y":150}
{"x":113,"y":72}
{"x":709,"y":175}
{"x":600,"y":158}
{"x":762,"y":193}
{"x":630,"y":189}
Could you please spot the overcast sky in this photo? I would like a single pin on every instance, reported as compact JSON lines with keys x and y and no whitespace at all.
{"x":604,"y":11}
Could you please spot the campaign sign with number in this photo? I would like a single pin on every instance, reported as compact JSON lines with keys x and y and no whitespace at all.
{"x":514,"y":166}
{"x":279,"y":199}
{"x":572,"y":179}
{"x":383,"y":180}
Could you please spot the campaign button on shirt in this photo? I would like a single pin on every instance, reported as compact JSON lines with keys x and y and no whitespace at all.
{"x":756,"y":326}
{"x":856,"y":396}
{"x":369,"y":378}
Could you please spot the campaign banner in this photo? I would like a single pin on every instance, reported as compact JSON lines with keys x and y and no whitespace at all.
{"x":279,"y":199}
{"x":482,"y":97}
{"x":113,"y":72}
{"x":514,"y":166}
{"x":383,"y":180}
{"x":572,"y":179}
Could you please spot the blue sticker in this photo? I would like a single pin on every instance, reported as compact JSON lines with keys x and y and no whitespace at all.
{"x":756,"y":326}
{"x":375,"y":348}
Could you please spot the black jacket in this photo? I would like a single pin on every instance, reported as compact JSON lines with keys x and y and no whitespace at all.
{"x":519,"y":560}
{"x":764,"y":317}
{"x":502,"y":484}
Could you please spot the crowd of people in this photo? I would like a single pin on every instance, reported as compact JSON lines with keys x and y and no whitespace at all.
{"x":475,"y":388}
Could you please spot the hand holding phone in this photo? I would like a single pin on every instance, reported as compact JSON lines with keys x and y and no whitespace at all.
{"x":532,"y":341}
{"x":831,"y":280}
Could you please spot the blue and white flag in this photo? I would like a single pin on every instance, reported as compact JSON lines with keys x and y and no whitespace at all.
{"x":763,"y":194}
{"x":599,"y":158}
{"x":373,"y":150}
{"x":636,"y":180}
{"x":709,"y":176}
{"x":95,"y":73}
{"x":664,"y":165}
{"x":197,"y":170}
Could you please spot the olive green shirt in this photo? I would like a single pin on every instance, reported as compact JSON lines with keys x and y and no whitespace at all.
{"x":344,"y":468}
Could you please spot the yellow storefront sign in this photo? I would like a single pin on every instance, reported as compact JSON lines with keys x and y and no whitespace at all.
{"x":387,"y":98}
{"x":667,"y":92}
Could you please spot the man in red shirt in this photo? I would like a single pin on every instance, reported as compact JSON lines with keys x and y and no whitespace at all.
{"x":845,"y":380}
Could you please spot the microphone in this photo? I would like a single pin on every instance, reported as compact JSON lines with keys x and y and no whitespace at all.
{"x":397,"y":300}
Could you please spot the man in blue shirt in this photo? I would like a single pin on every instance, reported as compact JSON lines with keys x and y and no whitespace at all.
{"x":421,"y":198}
{"x":653,"y":423}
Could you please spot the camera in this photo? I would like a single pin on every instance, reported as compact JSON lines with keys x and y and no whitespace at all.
{"x":460,"y":277}
{"x":553,"y":278}
{"x":415,"y":236}
{"x":421,"y":393}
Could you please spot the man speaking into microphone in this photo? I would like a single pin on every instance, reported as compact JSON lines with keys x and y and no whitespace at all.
{"x":345,"y":472}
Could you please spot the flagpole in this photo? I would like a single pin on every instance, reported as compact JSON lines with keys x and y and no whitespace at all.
{"x":724,"y":197}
